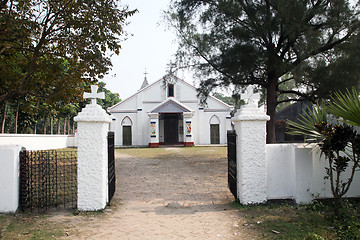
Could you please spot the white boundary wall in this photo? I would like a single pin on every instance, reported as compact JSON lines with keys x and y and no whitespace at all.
{"x":10,"y":146}
{"x":38,"y":141}
{"x":9,"y":178}
{"x":279,"y":171}
{"x":297,"y":171}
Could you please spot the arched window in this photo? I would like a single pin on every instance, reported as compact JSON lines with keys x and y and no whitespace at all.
{"x":214,"y":120}
{"x":214,"y":130}
{"x":126,"y":121}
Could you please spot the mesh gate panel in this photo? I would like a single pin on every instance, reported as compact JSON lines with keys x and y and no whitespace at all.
{"x":48,"y":179}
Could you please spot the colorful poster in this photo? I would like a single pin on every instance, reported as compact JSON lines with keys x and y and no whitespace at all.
{"x":153,"y":129}
{"x":188,"y":128}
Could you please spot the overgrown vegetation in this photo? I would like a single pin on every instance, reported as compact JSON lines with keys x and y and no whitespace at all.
{"x":311,"y":222}
{"x":340,"y":144}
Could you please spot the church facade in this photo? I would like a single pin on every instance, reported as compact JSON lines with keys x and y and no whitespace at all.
{"x":169,"y":114}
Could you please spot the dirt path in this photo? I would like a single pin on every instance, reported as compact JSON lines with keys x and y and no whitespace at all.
{"x":166,"y":199}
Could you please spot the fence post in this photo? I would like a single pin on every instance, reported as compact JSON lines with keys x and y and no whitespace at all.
{"x":250,"y":126}
{"x":93,"y":126}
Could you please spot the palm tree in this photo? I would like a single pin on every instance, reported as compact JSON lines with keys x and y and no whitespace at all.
{"x":346,"y":106}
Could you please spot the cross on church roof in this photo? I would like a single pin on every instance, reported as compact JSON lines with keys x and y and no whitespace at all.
{"x":145,"y":82}
{"x":145,"y":73}
{"x":94,"y":94}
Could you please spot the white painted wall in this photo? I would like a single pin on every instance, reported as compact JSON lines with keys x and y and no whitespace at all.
{"x":38,"y":141}
{"x":296,"y":171}
{"x":9,"y":178}
{"x":280,"y":171}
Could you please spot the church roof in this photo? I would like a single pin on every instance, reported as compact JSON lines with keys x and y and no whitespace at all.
{"x":170,"y":106}
{"x":159,"y":81}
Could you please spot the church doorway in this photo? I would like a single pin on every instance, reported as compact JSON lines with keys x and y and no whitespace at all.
{"x":214,"y":134}
{"x":127,"y":139}
{"x":214,"y":130}
{"x":171,"y":128}
{"x":126,"y":131}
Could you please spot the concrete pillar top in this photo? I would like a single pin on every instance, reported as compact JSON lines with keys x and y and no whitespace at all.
{"x":93,"y":113}
{"x":251,"y":111}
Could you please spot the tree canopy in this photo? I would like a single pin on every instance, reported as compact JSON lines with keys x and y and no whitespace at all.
{"x":26,"y":115}
{"x":51,"y":49}
{"x":268,"y":43}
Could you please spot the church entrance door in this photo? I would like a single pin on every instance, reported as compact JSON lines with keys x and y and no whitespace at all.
{"x":171,"y":126}
{"x":214,"y":134}
{"x":127,"y":140}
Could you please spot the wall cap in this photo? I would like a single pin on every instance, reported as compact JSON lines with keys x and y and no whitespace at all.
{"x":93,"y":113}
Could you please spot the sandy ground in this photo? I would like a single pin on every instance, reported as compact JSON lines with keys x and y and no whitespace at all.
{"x":165,"y":199}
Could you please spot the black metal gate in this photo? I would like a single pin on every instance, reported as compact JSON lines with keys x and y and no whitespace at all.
{"x":111,"y":165}
{"x":48,"y":179}
{"x":231,"y":146}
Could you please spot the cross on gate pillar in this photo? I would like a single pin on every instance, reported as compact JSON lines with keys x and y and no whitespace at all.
{"x":93,"y":126}
{"x":94,"y":94}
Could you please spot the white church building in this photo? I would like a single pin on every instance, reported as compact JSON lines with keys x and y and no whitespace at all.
{"x":169,"y":114}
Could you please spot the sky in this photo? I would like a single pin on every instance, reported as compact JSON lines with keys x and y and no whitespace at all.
{"x":150,"y":46}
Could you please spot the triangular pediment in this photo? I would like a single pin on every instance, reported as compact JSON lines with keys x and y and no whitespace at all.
{"x":170,"y":106}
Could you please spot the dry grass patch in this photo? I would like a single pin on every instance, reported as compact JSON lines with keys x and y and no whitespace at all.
{"x":277,"y":221}
{"x":179,"y":152}
{"x":24,"y":226}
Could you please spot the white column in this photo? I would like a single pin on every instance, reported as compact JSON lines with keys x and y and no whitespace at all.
{"x":250,"y":126}
{"x":188,"y":130}
{"x":141,"y":123}
{"x":93,"y":126}
{"x":154,"y":130}
{"x":202,"y":125}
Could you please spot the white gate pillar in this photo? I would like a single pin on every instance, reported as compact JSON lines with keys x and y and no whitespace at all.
{"x":93,"y":126}
{"x":250,"y":126}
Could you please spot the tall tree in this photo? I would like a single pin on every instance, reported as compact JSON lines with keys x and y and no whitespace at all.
{"x":110,"y":98}
{"x":50,"y":48}
{"x":266,"y":43}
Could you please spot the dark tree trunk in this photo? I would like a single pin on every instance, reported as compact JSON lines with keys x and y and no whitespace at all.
{"x":64,"y":126}
{"x":59,"y":126}
{"x":16,"y":118}
{"x":45,"y":124}
{"x":4,"y":118}
{"x":271,"y":102}
{"x":68,"y":127}
{"x":51,"y":125}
